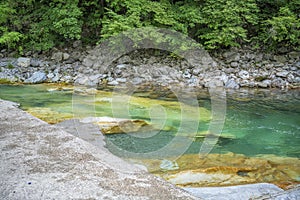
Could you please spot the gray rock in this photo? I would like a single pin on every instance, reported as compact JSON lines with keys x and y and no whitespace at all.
{"x":269,"y":66}
{"x":259,"y":57}
{"x":231,"y":84}
{"x":278,"y":82}
{"x":136,"y":81}
{"x":244,"y":74}
{"x":23,"y":62}
{"x":35,"y":63}
{"x":250,"y":56}
{"x":114,"y":82}
{"x":223,"y":78}
{"x":294,"y":55}
{"x":50,"y":75}
{"x":250,"y":191}
{"x":293,"y":68}
{"x":280,"y":59}
{"x":87,"y":62}
{"x":58,"y":56}
{"x":264,"y":83}
{"x":124,"y":60}
{"x":231,"y":56}
{"x":297,"y":80}
{"x":121,"y":80}
{"x":197,"y":71}
{"x":214,"y":82}
{"x":229,"y":70}
{"x":282,"y":74}
{"x":290,"y":78}
{"x":56,"y":78}
{"x":77,"y":43}
{"x":65,"y":56}
{"x":122,"y":66}
{"x":291,"y":194}
{"x":37,"y":77}
{"x":234,"y":64}
{"x":81,"y":80}
{"x":244,"y":83}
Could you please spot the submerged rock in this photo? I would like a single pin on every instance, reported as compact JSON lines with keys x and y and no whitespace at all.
{"x":49,"y":115}
{"x":229,"y":169}
{"x":168,"y":165}
{"x":109,"y":125}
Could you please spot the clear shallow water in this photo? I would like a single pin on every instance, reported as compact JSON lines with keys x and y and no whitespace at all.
{"x":257,"y":122}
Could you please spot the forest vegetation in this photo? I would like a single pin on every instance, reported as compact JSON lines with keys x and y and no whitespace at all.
{"x":39,"y":25}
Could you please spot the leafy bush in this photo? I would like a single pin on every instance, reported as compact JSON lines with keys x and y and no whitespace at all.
{"x":224,"y":23}
{"x":8,"y":38}
{"x":41,"y":25}
{"x":124,"y":15}
{"x":58,"y":21}
{"x":282,"y":30}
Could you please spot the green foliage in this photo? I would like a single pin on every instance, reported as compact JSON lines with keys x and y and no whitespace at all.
{"x":41,"y":25}
{"x":225,"y":22}
{"x":58,"y":21}
{"x":10,"y":66}
{"x":124,"y":15}
{"x":283,"y":29}
{"x":8,"y":38}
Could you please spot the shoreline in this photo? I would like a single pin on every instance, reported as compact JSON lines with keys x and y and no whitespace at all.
{"x":94,"y":67}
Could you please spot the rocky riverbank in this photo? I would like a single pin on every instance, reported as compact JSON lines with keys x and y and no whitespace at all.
{"x":95,"y":67}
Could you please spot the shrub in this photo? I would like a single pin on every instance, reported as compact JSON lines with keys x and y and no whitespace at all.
{"x":225,"y":22}
{"x":282,"y":30}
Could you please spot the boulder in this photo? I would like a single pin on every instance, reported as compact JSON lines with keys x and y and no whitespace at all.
{"x":123,"y":126}
{"x":65,"y":56}
{"x":231,"y":56}
{"x":282,"y":74}
{"x":23,"y":62}
{"x":264,"y":83}
{"x":37,"y":77}
{"x":234,"y":64}
{"x":244,"y":74}
{"x":58,"y":56}
{"x":231,"y":84}
{"x":280,"y":59}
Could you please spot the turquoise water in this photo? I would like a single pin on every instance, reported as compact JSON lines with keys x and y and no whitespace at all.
{"x":257,"y":121}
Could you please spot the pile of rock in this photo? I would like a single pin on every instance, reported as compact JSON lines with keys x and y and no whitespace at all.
{"x":93,"y":67}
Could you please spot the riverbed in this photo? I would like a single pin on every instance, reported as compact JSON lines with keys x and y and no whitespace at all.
{"x":261,"y":128}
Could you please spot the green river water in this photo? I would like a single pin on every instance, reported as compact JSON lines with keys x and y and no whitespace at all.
{"x":257,"y":121}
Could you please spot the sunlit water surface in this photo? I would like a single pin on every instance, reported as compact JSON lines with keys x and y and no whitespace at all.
{"x":257,"y":122}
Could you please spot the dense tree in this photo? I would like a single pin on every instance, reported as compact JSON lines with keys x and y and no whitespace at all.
{"x":41,"y":25}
